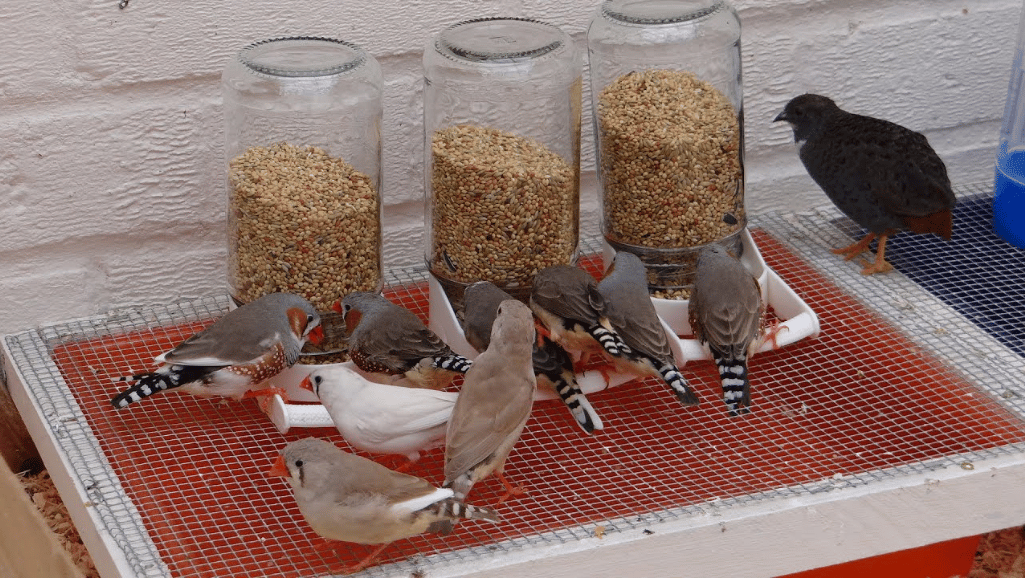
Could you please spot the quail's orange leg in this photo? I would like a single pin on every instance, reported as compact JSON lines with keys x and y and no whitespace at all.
{"x":851,"y":251}
{"x":880,"y":265}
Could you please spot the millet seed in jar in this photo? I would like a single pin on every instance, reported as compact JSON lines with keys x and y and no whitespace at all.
{"x":670,"y":160}
{"x":302,"y":222}
{"x":503,"y":207}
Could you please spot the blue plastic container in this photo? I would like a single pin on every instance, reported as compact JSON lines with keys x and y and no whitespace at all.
{"x":1009,"y":183}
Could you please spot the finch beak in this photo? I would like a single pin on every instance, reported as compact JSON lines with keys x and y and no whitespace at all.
{"x":306,"y":384}
{"x":316,"y":335}
{"x":781,"y":116}
{"x":279,"y":468}
{"x":337,"y":307}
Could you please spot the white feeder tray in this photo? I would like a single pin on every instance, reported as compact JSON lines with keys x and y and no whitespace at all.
{"x":797,"y":321}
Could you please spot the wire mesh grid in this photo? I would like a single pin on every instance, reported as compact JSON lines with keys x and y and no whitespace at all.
{"x":188,"y":494}
{"x":964,"y":299}
{"x":978,"y":274}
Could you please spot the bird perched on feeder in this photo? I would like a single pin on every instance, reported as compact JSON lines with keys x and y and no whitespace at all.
{"x":725,"y":311}
{"x":350,"y":498}
{"x":493,"y":404}
{"x":235,"y":354}
{"x":390,"y":339}
{"x":629,"y":309}
{"x":884,"y":177}
{"x":553,"y":366}
{"x":380,"y":418}
{"x":567,"y":302}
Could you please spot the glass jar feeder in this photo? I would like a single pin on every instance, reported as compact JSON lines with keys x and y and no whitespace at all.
{"x":303,"y":148}
{"x":667,"y":98}
{"x":502,"y":113}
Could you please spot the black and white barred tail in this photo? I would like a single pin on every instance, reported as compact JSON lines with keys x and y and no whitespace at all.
{"x":610,"y":341}
{"x":736,"y":389}
{"x":674,"y":379}
{"x":453,"y":362}
{"x":568,"y":389}
{"x":556,"y":365}
{"x":452,"y":510}
{"x":146,"y":384}
{"x":461,"y":485}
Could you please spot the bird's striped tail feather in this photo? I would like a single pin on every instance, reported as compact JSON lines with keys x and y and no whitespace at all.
{"x":146,"y":384}
{"x":556,"y":365}
{"x":610,"y":341}
{"x":453,"y":362}
{"x":736,"y":389}
{"x":674,"y":379}
{"x":452,"y":510}
{"x":569,"y":390}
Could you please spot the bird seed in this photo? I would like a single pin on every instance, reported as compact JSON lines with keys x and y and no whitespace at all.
{"x":301,"y":221}
{"x":504,"y":207}
{"x":670,"y":160}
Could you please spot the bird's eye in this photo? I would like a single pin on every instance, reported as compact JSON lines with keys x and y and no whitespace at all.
{"x":309,"y":319}
{"x":298,"y":463}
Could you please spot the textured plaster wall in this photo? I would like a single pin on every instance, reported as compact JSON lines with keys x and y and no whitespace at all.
{"x":111,"y":171}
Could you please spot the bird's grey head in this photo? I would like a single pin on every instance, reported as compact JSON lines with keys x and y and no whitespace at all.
{"x":712,"y":252}
{"x":302,"y":316}
{"x":804,"y":113}
{"x":629,"y":264}
{"x":484,"y":294}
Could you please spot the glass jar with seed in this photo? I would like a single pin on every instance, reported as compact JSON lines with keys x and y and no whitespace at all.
{"x":303,"y":148}
{"x":502,"y":117}
{"x":668,"y":111}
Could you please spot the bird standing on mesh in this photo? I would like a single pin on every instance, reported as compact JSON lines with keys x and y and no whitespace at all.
{"x":567,"y":302}
{"x":389,"y":339}
{"x":553,"y":366}
{"x":350,"y":498}
{"x":884,"y":177}
{"x":493,"y":404}
{"x":380,"y":418}
{"x":629,"y":309}
{"x":725,"y":311}
{"x":235,"y":354}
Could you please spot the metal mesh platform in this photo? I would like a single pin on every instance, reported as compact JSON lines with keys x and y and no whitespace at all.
{"x":896,"y":383}
{"x":978,"y":274}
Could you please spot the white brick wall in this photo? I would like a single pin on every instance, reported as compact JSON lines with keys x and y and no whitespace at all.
{"x":110,"y":120}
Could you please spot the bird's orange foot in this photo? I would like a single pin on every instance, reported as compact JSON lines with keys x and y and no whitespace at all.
{"x":510,"y":490}
{"x":851,"y":251}
{"x":362,"y":564}
{"x":265,"y":396}
{"x":266,"y":391}
{"x":877,"y":266}
{"x":581,"y":364}
{"x":771,"y":332}
{"x":606,"y":372}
